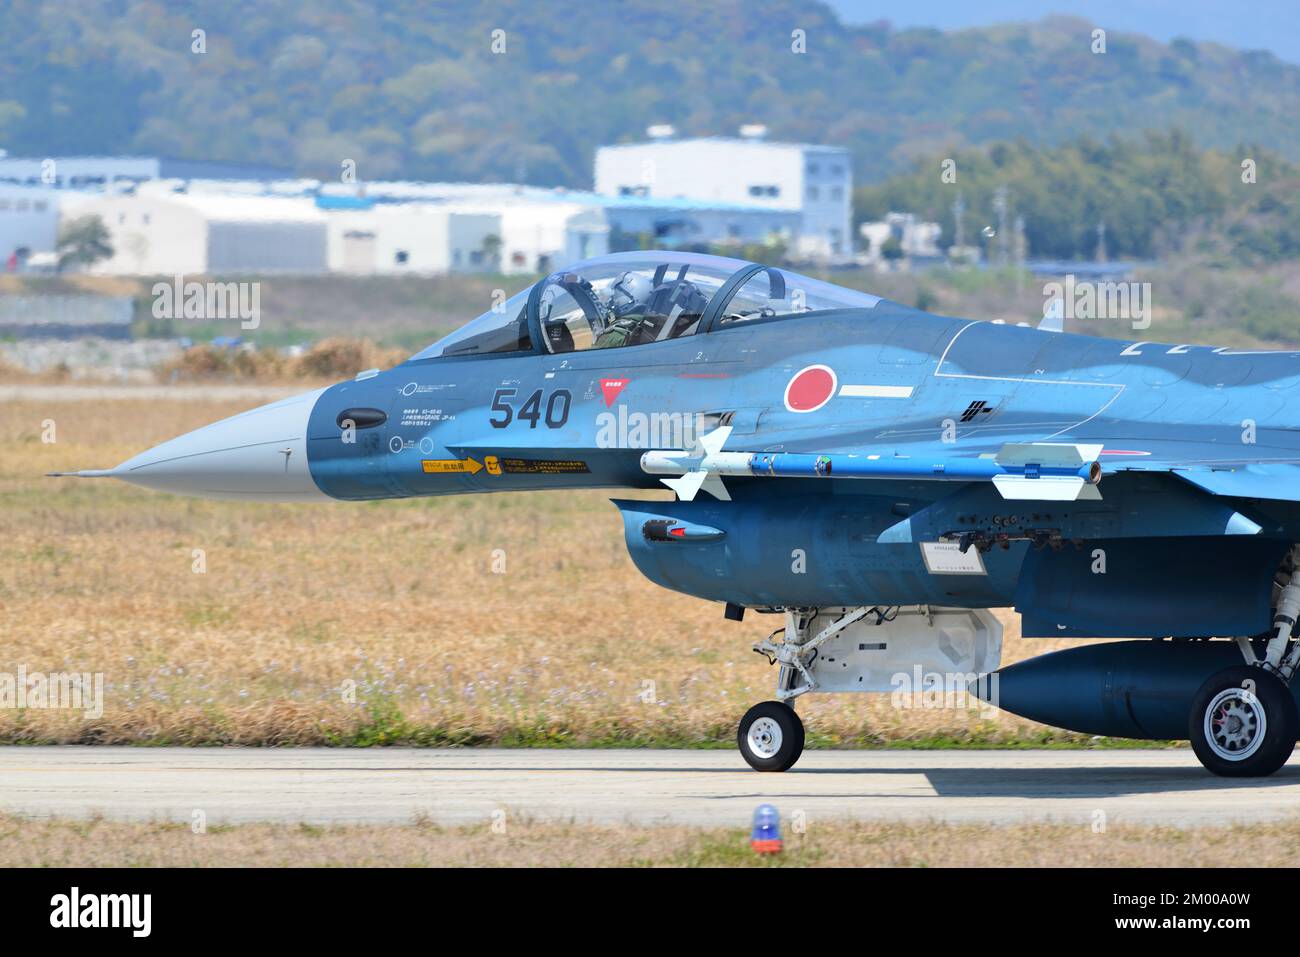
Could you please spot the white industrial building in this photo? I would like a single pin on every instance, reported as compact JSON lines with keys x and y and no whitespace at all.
{"x":493,"y":232}
{"x":540,"y":235}
{"x":462,"y":226}
{"x":916,"y":241}
{"x":417,"y":238}
{"x":816,"y":181}
{"x":686,"y":222}
{"x":165,"y":227}
{"x":29,"y":223}
{"x":156,"y":233}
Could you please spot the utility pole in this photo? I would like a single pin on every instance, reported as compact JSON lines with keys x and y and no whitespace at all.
{"x":1000,"y":207}
{"x":1019,"y":252}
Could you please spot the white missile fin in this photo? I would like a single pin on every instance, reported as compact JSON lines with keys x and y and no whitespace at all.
{"x":714,"y":441}
{"x":713,"y":485}
{"x":1046,"y":489}
{"x":687,"y":486}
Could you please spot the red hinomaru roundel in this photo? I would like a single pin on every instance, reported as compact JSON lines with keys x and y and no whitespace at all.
{"x":810,"y":388}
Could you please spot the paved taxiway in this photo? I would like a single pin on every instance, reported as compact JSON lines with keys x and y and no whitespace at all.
{"x":320,"y":785}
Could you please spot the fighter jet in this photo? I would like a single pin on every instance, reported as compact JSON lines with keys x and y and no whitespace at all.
{"x":875,"y":477}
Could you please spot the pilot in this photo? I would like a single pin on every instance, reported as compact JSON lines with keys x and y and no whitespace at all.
{"x":627,"y":308}
{"x":641,"y":311}
{"x":630,"y":294}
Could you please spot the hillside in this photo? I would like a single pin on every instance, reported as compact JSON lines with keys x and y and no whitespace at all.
{"x":414,"y":90}
{"x":1157,"y":194}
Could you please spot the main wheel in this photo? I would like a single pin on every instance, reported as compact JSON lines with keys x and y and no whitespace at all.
{"x":770,"y":736}
{"x":1243,"y":722}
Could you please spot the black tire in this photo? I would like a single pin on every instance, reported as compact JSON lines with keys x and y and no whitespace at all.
{"x":1243,"y":723}
{"x":776,"y":740}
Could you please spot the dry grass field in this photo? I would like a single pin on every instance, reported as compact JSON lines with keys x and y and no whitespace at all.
{"x":373,"y":623}
{"x":26,"y":843}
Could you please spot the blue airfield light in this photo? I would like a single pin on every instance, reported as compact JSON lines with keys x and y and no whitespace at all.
{"x":766,"y":835}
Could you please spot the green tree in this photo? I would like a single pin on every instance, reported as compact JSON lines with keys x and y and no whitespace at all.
{"x":82,"y":242}
{"x":417,"y":90}
{"x":492,"y":251}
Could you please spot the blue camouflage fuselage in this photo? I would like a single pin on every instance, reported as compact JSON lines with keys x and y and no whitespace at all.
{"x":1174,"y":420}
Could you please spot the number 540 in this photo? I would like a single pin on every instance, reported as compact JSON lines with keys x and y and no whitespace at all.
{"x":557,"y":408}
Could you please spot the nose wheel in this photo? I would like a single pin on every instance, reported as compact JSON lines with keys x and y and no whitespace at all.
{"x":1243,"y":722}
{"x":770,"y":736}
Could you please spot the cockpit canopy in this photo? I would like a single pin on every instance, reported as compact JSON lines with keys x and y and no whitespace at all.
{"x":637,"y":298}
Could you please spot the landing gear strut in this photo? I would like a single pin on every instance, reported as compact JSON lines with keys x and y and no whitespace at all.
{"x":771,"y":735}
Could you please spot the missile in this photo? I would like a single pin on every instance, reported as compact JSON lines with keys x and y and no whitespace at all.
{"x":1039,"y":471}
{"x":699,"y":468}
{"x":1124,"y":689}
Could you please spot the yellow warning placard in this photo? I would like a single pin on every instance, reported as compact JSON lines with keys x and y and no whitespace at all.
{"x":467,"y":466}
{"x":542,"y":466}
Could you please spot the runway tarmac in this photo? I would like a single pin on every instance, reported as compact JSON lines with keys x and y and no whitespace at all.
{"x":397,"y":785}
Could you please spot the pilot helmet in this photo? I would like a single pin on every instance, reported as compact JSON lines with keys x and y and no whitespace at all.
{"x":630,"y":293}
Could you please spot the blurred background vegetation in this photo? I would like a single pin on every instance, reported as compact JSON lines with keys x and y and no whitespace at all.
{"x":413,"y":90}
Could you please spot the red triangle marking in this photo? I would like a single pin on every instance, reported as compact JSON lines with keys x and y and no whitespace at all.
{"x":610,"y":388}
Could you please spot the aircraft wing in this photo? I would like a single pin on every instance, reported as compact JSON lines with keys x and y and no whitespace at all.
{"x":1214,"y":469}
{"x":1278,"y":481}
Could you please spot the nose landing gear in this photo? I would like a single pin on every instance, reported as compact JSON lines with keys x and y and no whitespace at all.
{"x":770,"y":736}
{"x":859,"y":649}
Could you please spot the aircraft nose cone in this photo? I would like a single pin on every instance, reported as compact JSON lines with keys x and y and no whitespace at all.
{"x":258,"y":455}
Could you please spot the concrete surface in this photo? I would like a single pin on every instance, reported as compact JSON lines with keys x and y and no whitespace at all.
{"x":321,"y":785}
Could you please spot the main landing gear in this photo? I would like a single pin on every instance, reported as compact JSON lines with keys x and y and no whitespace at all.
{"x":1243,"y":721}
